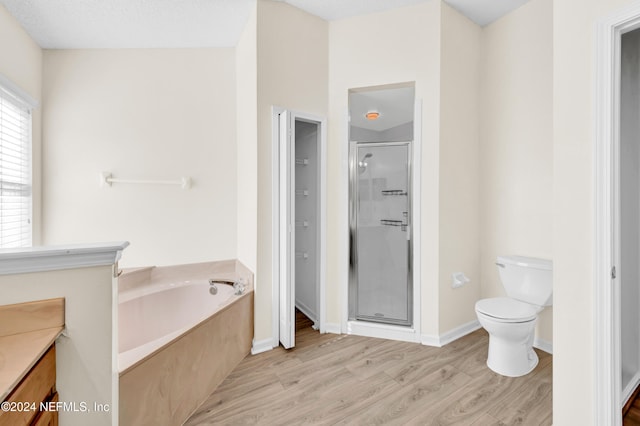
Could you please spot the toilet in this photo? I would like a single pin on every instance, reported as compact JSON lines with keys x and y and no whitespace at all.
{"x":510,"y":321}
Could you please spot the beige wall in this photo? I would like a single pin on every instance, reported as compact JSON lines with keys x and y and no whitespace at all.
{"x":406,"y":49}
{"x":21,"y":62}
{"x":459,"y":168}
{"x":86,"y":359}
{"x":142,"y":114}
{"x":573,"y":220}
{"x":517,"y":143}
{"x":292,"y":71}
{"x":247,"y":135}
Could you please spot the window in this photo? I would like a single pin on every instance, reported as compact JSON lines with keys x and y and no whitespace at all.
{"x":15,"y":167}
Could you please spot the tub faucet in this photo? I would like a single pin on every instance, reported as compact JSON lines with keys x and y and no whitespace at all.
{"x":212,"y":287}
{"x":238,"y":286}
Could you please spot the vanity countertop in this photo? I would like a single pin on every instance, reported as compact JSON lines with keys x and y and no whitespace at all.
{"x":19,"y":353}
{"x":27,"y":330}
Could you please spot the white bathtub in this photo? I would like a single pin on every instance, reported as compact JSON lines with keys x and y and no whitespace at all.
{"x":151,"y":317}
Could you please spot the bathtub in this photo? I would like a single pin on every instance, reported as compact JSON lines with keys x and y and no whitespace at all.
{"x":177,"y":341}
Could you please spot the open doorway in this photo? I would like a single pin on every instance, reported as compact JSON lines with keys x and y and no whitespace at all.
{"x":299,"y":223}
{"x":617,"y":165}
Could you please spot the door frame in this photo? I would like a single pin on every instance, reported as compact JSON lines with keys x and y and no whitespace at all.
{"x":606,"y":254}
{"x":385,"y":331}
{"x":280,"y":235}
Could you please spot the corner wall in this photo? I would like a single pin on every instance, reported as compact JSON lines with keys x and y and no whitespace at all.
{"x":292,"y":72}
{"x":247,"y":136}
{"x":154,"y":114}
{"x":516,"y":131}
{"x":406,"y":49}
{"x":459,"y":169}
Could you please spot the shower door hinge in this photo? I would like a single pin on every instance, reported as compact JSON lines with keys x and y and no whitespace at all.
{"x":613,"y":272}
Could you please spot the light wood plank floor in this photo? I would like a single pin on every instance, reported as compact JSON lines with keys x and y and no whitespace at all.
{"x":338,"y":379}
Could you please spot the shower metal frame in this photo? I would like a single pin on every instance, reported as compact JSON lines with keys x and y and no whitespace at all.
{"x":353,"y":232}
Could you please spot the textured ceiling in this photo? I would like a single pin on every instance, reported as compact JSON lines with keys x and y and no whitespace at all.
{"x":331,"y":10}
{"x":74,"y":24}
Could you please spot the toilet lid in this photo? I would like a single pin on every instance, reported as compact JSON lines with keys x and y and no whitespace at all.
{"x":506,"y":309}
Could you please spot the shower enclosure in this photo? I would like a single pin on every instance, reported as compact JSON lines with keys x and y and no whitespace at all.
{"x":380,"y":222}
{"x":381,"y":289}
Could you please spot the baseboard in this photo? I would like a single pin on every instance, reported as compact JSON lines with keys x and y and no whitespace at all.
{"x":430,"y":340}
{"x":307,"y":311}
{"x":260,"y":346}
{"x":543,"y":345}
{"x":630,"y":393}
{"x":451,"y":335}
{"x":333,"y":328}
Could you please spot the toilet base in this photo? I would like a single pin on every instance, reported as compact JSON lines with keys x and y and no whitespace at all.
{"x":511,"y":359}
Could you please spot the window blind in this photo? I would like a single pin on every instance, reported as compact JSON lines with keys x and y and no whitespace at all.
{"x":15,"y":171}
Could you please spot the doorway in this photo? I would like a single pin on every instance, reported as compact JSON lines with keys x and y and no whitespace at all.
{"x":381,"y":141}
{"x":299,"y":222}
{"x":616,"y":256}
{"x":629,"y":214}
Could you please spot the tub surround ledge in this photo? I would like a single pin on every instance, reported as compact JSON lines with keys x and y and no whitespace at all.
{"x":52,"y":258}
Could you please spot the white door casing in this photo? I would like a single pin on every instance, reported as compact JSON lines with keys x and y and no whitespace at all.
{"x":606,"y":256}
{"x":283,"y":202}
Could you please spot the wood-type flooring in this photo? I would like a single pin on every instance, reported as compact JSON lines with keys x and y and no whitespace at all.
{"x":330,"y":379}
{"x":631,"y":410}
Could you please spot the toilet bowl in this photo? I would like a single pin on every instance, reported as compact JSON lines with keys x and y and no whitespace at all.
{"x":510,"y":321}
{"x":511,"y":329}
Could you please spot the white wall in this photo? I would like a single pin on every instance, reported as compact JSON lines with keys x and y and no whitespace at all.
{"x":459,"y":168}
{"x":21,"y":62}
{"x":406,"y":49}
{"x":141,"y":114}
{"x":573,"y":219}
{"x":292,"y":53}
{"x":247,"y":135}
{"x":517,"y":143}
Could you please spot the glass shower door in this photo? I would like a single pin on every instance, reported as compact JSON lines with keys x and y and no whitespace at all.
{"x":381,"y":230}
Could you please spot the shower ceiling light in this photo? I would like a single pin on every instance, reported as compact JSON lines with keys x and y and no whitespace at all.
{"x":372,"y":115}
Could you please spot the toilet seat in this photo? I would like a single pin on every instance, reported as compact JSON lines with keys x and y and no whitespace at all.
{"x":505,"y":309}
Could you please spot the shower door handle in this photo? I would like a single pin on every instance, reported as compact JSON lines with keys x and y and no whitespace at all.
{"x":405,"y":226}
{"x":405,"y":221}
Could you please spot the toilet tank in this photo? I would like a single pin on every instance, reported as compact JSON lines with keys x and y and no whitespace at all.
{"x":527,"y":279}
